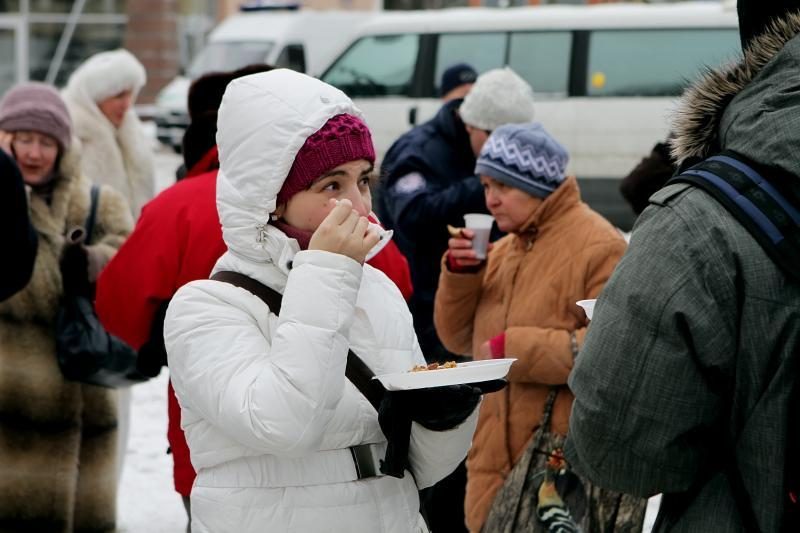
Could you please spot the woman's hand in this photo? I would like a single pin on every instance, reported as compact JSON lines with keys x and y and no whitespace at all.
{"x":344,"y":232}
{"x":74,"y":264}
{"x":459,"y":248}
{"x":484,"y":352}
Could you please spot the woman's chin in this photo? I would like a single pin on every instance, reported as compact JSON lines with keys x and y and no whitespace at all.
{"x":502,"y":224}
{"x":36,"y":180}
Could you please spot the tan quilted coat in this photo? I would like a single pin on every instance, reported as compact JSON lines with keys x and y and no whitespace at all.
{"x":528,"y":290}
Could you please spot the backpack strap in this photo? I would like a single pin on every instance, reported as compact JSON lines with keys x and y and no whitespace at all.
{"x":94,"y":196}
{"x":758,"y":205}
{"x":356,"y":370}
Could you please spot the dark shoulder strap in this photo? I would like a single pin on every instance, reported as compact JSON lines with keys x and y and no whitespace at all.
{"x":270,"y":296}
{"x":361,"y":376}
{"x":356,"y":371}
{"x":92,"y":217}
{"x":755,"y":202}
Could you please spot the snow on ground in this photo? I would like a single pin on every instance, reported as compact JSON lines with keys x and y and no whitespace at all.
{"x":147,"y":501}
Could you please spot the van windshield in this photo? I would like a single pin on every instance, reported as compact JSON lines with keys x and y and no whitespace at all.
{"x":229,"y":55}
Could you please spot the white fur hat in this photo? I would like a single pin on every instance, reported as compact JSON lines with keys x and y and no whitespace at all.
{"x":499,"y":96}
{"x":108,"y":73}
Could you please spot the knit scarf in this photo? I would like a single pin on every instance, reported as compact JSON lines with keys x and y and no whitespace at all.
{"x":302,"y":237}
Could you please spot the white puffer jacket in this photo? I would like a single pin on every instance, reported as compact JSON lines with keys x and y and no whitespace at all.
{"x":268,"y":413}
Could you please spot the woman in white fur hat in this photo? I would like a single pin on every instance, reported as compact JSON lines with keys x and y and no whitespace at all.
{"x":116,"y":151}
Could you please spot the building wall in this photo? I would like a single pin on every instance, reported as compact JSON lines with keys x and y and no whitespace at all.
{"x":151,"y":35}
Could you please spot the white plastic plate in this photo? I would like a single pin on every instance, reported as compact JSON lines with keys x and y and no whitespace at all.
{"x":588,"y":307}
{"x":471,"y":372}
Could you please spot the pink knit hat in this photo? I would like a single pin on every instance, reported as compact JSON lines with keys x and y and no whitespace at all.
{"x":342,"y":139}
{"x":36,"y":107}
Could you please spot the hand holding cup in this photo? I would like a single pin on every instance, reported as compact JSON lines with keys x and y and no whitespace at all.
{"x":469,"y":246}
{"x":460,"y":249}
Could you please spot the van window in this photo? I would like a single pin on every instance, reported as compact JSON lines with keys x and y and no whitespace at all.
{"x":228,"y":55}
{"x":542,"y":59}
{"x":292,"y":56}
{"x":621,"y":62}
{"x":483,"y":51}
{"x":380,"y":65}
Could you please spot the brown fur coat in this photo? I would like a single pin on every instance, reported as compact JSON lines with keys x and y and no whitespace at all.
{"x":57,"y":438}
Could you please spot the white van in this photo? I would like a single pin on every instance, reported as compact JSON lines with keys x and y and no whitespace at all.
{"x":605,"y":76}
{"x":303,"y":40}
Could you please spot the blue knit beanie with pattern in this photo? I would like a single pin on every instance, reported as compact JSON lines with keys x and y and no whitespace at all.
{"x":524,"y":156}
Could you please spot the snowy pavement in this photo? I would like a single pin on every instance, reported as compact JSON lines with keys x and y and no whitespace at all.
{"x":147,"y":501}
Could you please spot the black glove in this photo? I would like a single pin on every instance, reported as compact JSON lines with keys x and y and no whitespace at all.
{"x":74,"y":264}
{"x":437,"y":409}
{"x":153,"y":354}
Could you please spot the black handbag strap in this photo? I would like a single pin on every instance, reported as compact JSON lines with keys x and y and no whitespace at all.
{"x":356,"y":370}
{"x":550,"y":401}
{"x":92,"y":217}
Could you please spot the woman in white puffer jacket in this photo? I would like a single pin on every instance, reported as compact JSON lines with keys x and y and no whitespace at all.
{"x":269,"y":415}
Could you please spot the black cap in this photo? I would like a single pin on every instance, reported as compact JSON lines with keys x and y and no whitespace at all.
{"x":456,"y":75}
{"x":204,"y":99}
{"x":755,"y":16}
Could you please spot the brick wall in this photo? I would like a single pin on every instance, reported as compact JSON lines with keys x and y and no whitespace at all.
{"x":152,"y":36}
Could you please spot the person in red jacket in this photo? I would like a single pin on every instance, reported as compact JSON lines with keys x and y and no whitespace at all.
{"x":178,"y":239}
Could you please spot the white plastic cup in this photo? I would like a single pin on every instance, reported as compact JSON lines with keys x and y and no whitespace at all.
{"x":588,"y":307}
{"x":481,"y":225}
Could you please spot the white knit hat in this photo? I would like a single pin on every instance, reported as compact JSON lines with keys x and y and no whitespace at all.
{"x":498,"y":97}
{"x":107,"y":74}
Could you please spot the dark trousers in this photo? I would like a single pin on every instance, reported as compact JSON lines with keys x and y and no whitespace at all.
{"x":188,"y":506}
{"x":442,"y":505}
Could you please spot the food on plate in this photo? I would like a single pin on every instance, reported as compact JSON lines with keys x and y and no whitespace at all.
{"x":454,"y":232}
{"x":434,"y":366}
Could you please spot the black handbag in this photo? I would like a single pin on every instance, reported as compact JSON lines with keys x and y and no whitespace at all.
{"x":85,"y":351}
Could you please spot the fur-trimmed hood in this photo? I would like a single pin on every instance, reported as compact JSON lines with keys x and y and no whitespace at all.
{"x":751,"y":106}
{"x":120,"y":157}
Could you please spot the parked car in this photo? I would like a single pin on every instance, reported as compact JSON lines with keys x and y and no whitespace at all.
{"x":605,"y":76}
{"x":303,"y":40}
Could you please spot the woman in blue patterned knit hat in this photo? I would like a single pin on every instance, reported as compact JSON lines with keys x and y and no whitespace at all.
{"x":520,"y":301}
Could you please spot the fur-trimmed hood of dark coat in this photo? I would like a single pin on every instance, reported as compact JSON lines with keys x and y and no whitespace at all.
{"x":685,"y":377}
{"x":57,"y":437}
{"x":751,"y":106}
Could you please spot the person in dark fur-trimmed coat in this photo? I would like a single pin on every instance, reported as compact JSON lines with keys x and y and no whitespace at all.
{"x":685,"y":384}
{"x":57,"y":437}
{"x":21,"y":238}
